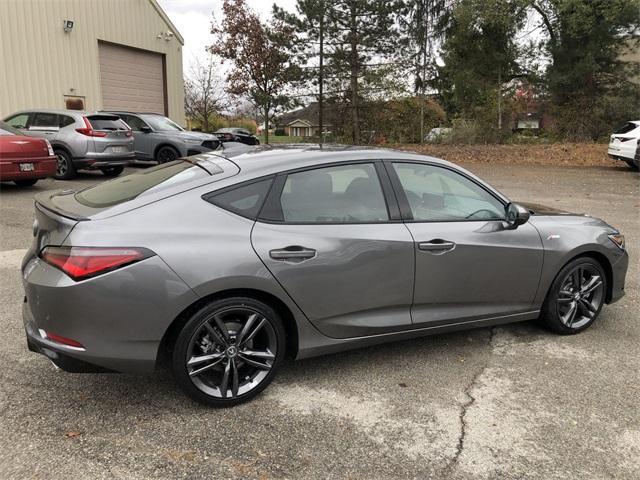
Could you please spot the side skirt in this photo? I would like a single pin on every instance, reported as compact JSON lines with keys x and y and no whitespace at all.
{"x":313,"y":345}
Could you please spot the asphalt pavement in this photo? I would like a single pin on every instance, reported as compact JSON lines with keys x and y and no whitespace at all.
{"x":511,"y":402}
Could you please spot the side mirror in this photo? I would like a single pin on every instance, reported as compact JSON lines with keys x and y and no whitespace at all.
{"x":146,"y":129}
{"x":517,"y":215}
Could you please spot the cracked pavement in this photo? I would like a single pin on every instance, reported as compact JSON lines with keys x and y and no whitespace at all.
{"x":512,"y":402}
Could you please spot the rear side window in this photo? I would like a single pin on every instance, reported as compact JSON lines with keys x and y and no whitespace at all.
{"x":44,"y":119}
{"x":338,"y":194}
{"x":626,"y":128}
{"x":108,"y":123}
{"x":151,"y":180}
{"x":245,"y":200}
{"x":66,"y":120}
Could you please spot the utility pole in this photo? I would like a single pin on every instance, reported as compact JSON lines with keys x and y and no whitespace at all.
{"x":320,"y":72}
{"x":499,"y":98}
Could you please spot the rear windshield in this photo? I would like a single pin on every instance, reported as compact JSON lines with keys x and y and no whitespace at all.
{"x":626,"y":128}
{"x":151,"y":180}
{"x":8,"y":130}
{"x":108,"y":123}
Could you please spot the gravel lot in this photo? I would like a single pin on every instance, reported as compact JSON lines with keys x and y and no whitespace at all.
{"x":508,"y":402}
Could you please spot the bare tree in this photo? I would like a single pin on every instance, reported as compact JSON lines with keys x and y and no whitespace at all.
{"x":204,"y":93}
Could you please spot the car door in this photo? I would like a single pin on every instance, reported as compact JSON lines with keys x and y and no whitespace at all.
{"x":142,"y":141}
{"x":332,"y":237}
{"x":469,"y":264}
{"x":44,"y":125}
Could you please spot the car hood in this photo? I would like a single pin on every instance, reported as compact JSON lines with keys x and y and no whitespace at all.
{"x":191,"y":136}
{"x":538,"y":209}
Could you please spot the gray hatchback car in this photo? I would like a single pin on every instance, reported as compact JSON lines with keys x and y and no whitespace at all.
{"x":80,"y":140}
{"x":159,"y":138}
{"x":219,"y":265}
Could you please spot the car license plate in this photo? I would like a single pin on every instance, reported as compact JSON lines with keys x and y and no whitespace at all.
{"x":26,"y":167}
{"x":119,"y":149}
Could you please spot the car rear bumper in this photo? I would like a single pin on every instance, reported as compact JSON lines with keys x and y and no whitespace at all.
{"x":42,"y":168}
{"x":103,"y":160}
{"x":119,"y":318}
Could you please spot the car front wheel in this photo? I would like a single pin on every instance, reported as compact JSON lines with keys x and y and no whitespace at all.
{"x":576,"y":297}
{"x":228,"y":351}
{"x":166,"y":154}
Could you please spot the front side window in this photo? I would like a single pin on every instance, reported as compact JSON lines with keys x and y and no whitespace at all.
{"x":337,"y":194}
{"x":18,"y":121}
{"x":437,"y":194}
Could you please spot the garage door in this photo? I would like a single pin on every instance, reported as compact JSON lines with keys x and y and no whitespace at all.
{"x":131,"y":79}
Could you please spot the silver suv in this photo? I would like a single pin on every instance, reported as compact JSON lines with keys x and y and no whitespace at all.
{"x":161,"y":139}
{"x":80,"y":140}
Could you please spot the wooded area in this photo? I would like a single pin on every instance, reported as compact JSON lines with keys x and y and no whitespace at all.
{"x":389,"y":71}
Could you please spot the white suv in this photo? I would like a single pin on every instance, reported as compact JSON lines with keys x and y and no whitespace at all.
{"x":624,"y":143}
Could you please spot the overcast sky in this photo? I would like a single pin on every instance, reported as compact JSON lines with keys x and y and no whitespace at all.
{"x":193,"y":19}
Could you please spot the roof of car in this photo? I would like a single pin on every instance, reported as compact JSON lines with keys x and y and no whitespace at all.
{"x":266,"y":159}
{"x":58,"y":111}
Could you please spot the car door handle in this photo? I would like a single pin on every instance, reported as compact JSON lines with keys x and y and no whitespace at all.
{"x":436,"y":245}
{"x":293,"y":252}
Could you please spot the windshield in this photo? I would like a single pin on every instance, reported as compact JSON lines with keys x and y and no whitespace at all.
{"x":8,"y":130}
{"x":162,"y":124}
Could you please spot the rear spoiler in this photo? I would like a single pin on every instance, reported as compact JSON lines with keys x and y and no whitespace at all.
{"x":54,"y":201}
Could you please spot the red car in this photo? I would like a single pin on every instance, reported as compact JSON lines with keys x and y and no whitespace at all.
{"x":24,"y":160}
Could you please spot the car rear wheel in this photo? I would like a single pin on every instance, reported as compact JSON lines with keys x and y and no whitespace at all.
{"x":65,"y":170}
{"x":576,"y":297}
{"x":166,"y":154}
{"x":228,"y":351}
{"x":634,"y":164}
{"x":112,"y":171}
{"x":25,"y":183}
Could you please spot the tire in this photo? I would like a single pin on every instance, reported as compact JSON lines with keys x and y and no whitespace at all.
{"x":65,"y":169}
{"x":563,"y":297}
{"x":112,"y":171}
{"x":202,"y":336}
{"x":633,"y":164}
{"x":167,"y":154}
{"x":25,"y":183}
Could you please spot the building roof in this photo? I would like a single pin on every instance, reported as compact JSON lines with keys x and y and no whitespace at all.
{"x":307,"y":114}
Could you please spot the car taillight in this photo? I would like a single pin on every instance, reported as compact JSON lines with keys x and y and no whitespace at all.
{"x":89,"y":131}
{"x":85,"y":262}
{"x":128,"y":133}
{"x":61,"y":340}
{"x":49,"y":148}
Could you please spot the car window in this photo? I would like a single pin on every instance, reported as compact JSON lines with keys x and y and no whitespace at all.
{"x":626,"y":128}
{"x":245,"y":200}
{"x":66,"y":120}
{"x":136,"y":123}
{"x":8,"y":130}
{"x":337,"y":194}
{"x":18,"y":121}
{"x":45,"y":119}
{"x":107,"y":123}
{"x":162,"y":124}
{"x":437,"y":194}
{"x":150,"y":180}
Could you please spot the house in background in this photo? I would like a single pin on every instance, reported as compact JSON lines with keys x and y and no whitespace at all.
{"x":301,"y":123}
{"x":90,"y":55}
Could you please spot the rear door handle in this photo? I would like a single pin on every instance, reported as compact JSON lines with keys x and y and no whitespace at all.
{"x":293,"y":252}
{"x":437,"y":246}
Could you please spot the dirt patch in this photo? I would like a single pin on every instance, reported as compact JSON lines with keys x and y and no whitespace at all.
{"x":565,"y":154}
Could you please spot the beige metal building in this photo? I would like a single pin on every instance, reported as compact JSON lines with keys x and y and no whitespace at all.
{"x":90,"y":55}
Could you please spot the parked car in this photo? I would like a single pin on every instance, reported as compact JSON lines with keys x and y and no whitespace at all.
{"x":624,"y":142}
{"x":436,"y":135}
{"x":241,"y":135}
{"x":80,"y":140}
{"x":220,"y":265}
{"x":24,"y":160}
{"x":159,"y":138}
